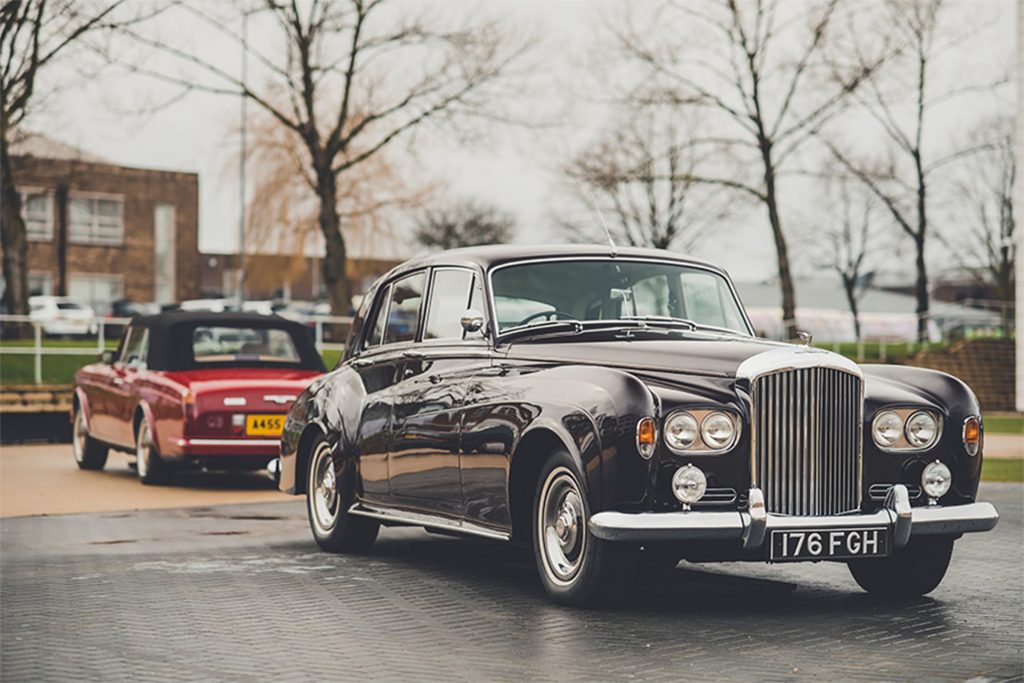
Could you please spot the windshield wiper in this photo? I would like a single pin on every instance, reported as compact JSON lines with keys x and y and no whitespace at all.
{"x":663,"y":320}
{"x":552,"y":327}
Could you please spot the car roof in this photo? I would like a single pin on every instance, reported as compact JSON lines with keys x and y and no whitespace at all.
{"x":492,"y":255}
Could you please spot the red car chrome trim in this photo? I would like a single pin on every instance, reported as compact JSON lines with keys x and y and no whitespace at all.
{"x":230,"y":442}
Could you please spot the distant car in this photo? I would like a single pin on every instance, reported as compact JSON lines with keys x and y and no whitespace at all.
{"x":126,"y":308}
{"x":192,"y":388}
{"x":58,"y":315}
{"x":212,"y":305}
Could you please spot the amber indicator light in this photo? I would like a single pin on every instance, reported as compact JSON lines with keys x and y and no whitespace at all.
{"x":645,"y":432}
{"x":972,"y":431}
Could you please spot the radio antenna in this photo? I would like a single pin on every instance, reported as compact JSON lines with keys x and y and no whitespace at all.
{"x":604,"y":224}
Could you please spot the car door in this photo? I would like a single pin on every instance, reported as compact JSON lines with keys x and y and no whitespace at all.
{"x":124,"y":393}
{"x":425,"y":454}
{"x":106,"y":394}
{"x":378,"y":363}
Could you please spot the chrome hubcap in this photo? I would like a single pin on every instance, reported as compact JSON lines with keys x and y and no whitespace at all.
{"x":79,"y":437}
{"x":324,"y":490}
{"x":142,"y":447}
{"x":561,"y":522}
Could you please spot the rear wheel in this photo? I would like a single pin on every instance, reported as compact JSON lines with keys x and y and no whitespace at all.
{"x":151,"y":468}
{"x":330,"y":493}
{"x":912,"y":571}
{"x":89,"y":453}
{"x":575,"y":567}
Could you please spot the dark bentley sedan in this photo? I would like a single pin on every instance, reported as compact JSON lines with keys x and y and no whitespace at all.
{"x":607,"y":407}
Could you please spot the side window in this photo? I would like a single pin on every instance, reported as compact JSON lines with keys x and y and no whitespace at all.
{"x":136,"y":348}
{"x":706,"y":300}
{"x":376,"y":326}
{"x":449,"y":299}
{"x":404,"y":309}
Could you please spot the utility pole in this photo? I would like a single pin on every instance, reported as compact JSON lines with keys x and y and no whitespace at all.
{"x":240,"y":273}
{"x":1019,"y":203}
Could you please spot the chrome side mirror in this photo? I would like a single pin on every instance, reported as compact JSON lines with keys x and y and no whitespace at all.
{"x":107,"y":357}
{"x":472,"y":321}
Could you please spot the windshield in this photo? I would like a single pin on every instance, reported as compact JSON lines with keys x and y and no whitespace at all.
{"x":611,"y":289}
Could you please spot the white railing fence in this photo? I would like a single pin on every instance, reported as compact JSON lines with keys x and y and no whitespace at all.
{"x":327,"y":331}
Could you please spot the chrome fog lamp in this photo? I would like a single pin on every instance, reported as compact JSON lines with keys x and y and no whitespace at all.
{"x":922,"y":429}
{"x":680,"y":431}
{"x":886,"y":428}
{"x":689,"y":484}
{"x":936,"y":480}
{"x":717,"y":431}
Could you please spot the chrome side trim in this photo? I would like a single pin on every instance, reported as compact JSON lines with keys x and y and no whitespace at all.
{"x":231,"y":442}
{"x":406,"y":518}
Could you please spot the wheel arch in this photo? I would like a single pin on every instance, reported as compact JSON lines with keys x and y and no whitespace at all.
{"x":528,"y":457}
{"x":303,"y":451}
{"x":144,"y":412}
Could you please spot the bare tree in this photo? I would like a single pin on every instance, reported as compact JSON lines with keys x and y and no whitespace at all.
{"x":34,"y":35}
{"x":283,"y":210}
{"x":903,"y":104}
{"x":760,"y":68}
{"x":356,"y":76}
{"x":465,"y":223}
{"x":850,"y":238}
{"x":642,"y":176}
{"x":985,"y":239}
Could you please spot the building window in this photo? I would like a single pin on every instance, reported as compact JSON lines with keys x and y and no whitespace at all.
{"x":99,"y":291}
{"x":96,"y":219}
{"x":37,"y":211}
{"x":40,"y":284}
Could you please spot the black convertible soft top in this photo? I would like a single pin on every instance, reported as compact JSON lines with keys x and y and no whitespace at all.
{"x":170,"y":338}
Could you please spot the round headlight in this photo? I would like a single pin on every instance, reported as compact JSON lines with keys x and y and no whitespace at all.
{"x":717,"y":431}
{"x":680,"y":431}
{"x":922,"y":429}
{"x":886,"y":428}
{"x":936,"y":480}
{"x":689,"y":484}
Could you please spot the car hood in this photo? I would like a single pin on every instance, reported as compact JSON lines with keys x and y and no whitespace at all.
{"x":718,"y":357}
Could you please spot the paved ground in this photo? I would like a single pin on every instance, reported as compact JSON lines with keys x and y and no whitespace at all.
{"x":240,"y":592}
{"x":43,"y":479}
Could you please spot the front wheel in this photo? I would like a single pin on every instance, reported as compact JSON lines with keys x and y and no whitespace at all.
{"x":90,"y":454}
{"x":575,"y":567}
{"x":912,"y":571}
{"x":329,"y":494}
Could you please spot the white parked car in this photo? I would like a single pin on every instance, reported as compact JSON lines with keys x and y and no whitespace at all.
{"x":60,"y":315}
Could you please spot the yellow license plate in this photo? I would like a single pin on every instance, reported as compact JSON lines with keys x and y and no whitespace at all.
{"x":264,"y":425}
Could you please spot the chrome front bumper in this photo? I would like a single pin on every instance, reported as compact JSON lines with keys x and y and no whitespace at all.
{"x":752,"y":526}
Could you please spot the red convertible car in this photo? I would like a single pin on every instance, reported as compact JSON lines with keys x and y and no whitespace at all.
{"x":193,"y":388}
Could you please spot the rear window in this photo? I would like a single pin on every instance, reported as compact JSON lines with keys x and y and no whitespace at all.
{"x":68,"y":306}
{"x":212,"y":344}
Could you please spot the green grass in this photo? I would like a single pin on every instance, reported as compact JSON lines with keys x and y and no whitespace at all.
{"x":1003,"y":470}
{"x":83,"y":343}
{"x":1004,"y":424}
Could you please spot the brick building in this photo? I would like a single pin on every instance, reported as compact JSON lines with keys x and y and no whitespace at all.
{"x":99,"y":232}
{"x":281,"y":276}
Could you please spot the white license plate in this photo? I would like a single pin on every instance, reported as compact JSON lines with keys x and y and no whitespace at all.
{"x":793,"y":545}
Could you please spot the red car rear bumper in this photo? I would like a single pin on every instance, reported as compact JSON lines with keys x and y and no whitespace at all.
{"x":187,"y":447}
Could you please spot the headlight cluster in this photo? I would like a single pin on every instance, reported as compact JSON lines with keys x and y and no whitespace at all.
{"x":710,"y":431}
{"x":905,"y":429}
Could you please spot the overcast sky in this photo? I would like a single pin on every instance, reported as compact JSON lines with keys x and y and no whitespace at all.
{"x":514,"y":168}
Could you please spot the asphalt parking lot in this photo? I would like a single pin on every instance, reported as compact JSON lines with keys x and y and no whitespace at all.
{"x":236,"y":592}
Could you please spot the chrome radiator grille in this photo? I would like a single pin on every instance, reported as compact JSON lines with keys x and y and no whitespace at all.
{"x":806,"y":428}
